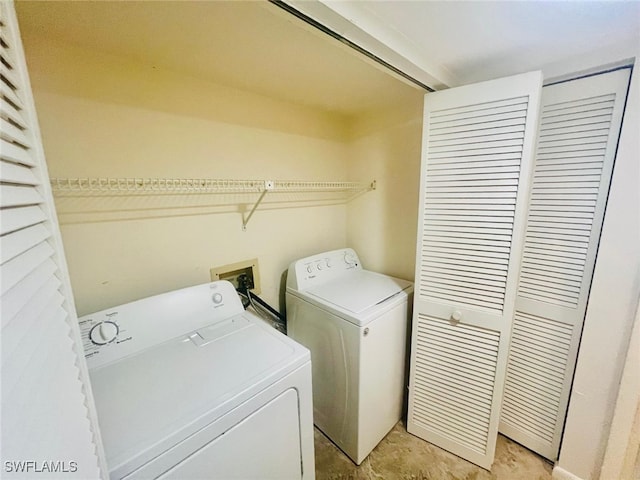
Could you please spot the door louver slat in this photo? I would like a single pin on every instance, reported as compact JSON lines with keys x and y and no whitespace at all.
{"x":14,"y":153}
{"x":15,"y":173}
{"x":13,"y":133}
{"x":24,"y":292}
{"x":485,"y":158}
{"x":547,"y":389}
{"x":12,"y":196}
{"x":577,"y":103}
{"x":22,"y":241}
{"x":567,"y":279}
{"x":542,"y":251}
{"x":8,"y":77}
{"x":502,"y":136}
{"x":16,"y":269}
{"x":461,"y":243}
{"x":16,"y":359}
{"x":10,"y":112}
{"x":553,"y":378}
{"x":447,"y":278}
{"x":480,"y":109}
{"x":9,"y":94}
{"x":475,"y":394}
{"x":20,"y":217}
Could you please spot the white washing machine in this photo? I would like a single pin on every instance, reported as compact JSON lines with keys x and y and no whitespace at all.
{"x":190,"y":386}
{"x":355,"y":323}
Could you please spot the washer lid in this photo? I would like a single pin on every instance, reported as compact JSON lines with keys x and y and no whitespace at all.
{"x":359,"y":290}
{"x":151,"y":401}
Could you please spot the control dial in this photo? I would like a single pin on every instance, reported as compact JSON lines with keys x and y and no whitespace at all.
{"x":104,"y":332}
{"x":350,"y":258}
{"x":217,"y":298}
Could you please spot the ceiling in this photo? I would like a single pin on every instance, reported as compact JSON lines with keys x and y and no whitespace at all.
{"x":479,"y":40}
{"x":256,"y":46}
{"x":249,"y":45}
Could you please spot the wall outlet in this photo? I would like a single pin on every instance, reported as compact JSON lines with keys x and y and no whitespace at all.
{"x":232,"y":271}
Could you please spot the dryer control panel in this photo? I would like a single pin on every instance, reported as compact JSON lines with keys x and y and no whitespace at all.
{"x":116,"y":332}
{"x":317,"y":269}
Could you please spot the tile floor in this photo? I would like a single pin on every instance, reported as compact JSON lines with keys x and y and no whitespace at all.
{"x":401,"y":456}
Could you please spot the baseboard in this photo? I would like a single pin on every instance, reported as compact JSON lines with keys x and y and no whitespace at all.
{"x":561,"y":474}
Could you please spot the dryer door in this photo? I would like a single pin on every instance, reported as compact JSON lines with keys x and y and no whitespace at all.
{"x":264,"y":445}
{"x":259,"y":439}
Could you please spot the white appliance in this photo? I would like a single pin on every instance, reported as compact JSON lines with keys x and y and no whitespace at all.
{"x":188,"y":385}
{"x":355,"y":323}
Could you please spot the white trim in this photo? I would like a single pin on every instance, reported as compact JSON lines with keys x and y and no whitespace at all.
{"x":352,"y":22}
{"x":627,"y":62}
{"x":559,"y":473}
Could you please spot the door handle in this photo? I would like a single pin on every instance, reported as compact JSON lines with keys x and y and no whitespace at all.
{"x":456,"y":316}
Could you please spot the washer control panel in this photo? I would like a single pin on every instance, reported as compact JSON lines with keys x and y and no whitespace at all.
{"x":310,"y":271}
{"x":111,"y":334}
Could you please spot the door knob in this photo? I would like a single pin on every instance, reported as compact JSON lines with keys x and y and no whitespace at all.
{"x":456,"y":316}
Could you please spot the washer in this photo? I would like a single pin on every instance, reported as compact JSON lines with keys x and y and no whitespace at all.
{"x":188,"y":385}
{"x":355,"y":323}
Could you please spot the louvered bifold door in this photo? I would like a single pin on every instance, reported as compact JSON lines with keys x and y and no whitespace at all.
{"x":48,"y":419}
{"x":477,"y":154}
{"x":579,"y":130}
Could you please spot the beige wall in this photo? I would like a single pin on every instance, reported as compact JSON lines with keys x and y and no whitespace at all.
{"x":106,"y":116}
{"x":382,"y":225}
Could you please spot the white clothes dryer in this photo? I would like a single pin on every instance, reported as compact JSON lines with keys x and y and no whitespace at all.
{"x":355,"y":323}
{"x":188,"y":385}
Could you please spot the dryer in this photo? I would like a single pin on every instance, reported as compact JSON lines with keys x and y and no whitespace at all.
{"x":188,"y":385}
{"x":354,"y":322}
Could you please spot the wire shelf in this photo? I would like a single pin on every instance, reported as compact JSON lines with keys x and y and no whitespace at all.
{"x":90,"y":186}
{"x":103,"y":187}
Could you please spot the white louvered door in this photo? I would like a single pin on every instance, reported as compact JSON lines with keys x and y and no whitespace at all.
{"x":476,"y":161}
{"x":49,"y":427}
{"x":580,"y":124}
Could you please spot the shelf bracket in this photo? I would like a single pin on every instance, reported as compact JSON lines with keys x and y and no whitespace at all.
{"x":268,"y":185}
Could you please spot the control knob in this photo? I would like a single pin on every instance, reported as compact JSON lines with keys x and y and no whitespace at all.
{"x":104,"y":332}
{"x":217,"y":298}
{"x":350,"y":258}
